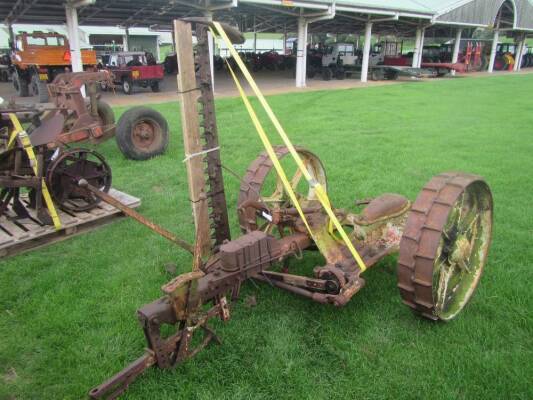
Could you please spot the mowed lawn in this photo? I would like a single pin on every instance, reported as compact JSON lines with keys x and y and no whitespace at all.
{"x":67,"y":312}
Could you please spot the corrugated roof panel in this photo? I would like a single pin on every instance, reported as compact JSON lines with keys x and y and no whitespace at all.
{"x":481,"y":12}
{"x":418,"y":6}
{"x":484,"y":12}
{"x":524,"y":9}
{"x":391,"y":5}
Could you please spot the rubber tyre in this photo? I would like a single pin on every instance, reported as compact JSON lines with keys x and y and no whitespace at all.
{"x":21,"y":86}
{"x":126,"y":137}
{"x":106,"y":114}
{"x":377,"y":74}
{"x":39,"y":89}
{"x":155,"y":86}
{"x":127,"y":86}
{"x":327,"y":74}
{"x":4,"y":76}
{"x":340,"y":74}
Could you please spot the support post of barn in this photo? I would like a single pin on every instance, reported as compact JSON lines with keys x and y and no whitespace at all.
{"x":366,"y":52}
{"x":126,"y":39}
{"x":74,"y":38}
{"x":12,"y":44}
{"x":520,"y":53}
{"x":417,"y":49}
{"x":255,"y":36}
{"x":493,"y":51}
{"x":301,"y":55}
{"x":456,"y":47}
{"x":421,"y":48}
{"x":285,"y":40}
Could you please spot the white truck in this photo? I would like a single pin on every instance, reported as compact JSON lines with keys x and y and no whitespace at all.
{"x":343,"y":59}
{"x":339,"y":60}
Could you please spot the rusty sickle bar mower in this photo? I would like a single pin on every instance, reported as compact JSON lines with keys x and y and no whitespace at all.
{"x":442,"y":238}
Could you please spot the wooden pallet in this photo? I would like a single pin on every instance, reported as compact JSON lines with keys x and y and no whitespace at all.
{"x":20,"y":235}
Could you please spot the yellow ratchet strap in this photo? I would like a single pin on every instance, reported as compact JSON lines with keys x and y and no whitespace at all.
{"x":319,"y":189}
{"x":270,"y":150}
{"x":19,"y":132}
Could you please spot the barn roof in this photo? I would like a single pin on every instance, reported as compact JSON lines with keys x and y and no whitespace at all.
{"x":277,"y":15}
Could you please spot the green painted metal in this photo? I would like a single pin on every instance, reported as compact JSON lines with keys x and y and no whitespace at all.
{"x":462,"y":251}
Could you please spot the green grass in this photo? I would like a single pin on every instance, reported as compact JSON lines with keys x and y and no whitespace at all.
{"x":67,"y":312}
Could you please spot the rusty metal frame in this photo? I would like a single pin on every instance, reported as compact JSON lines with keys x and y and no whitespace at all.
{"x":191,"y":300}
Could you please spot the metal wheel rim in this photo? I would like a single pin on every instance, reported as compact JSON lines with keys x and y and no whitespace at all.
{"x":146,"y":134}
{"x":462,"y":251}
{"x":428,"y":245}
{"x":63,"y":186}
{"x":256,"y":178}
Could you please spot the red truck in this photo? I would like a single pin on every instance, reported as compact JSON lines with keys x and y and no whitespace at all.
{"x":133,"y":69}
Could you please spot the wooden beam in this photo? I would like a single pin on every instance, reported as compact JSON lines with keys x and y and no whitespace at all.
{"x":193,"y":143}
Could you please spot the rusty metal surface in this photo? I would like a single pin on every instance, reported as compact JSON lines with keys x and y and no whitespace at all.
{"x":50,"y":129}
{"x":216,"y":198}
{"x":422,"y":238}
{"x":145,"y":135}
{"x":250,"y":199}
{"x":71,"y":166}
{"x":82,"y":122}
{"x":117,"y":384}
{"x":384,"y":206}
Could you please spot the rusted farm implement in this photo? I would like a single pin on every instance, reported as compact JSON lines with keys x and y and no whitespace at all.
{"x":442,"y":238}
{"x":39,"y":162}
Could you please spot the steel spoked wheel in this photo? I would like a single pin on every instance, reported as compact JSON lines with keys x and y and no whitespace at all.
{"x":262,"y":190}
{"x":445,"y":245}
{"x":65,"y":172}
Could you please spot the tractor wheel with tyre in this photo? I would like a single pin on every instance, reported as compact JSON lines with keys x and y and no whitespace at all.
{"x":391,"y":75}
{"x":21,"y":85}
{"x":155,"y":86}
{"x":107,"y":116}
{"x":340,"y":74}
{"x":127,"y":86}
{"x":142,"y":133}
{"x":39,"y":88}
{"x":377,"y":74}
{"x":327,"y":74}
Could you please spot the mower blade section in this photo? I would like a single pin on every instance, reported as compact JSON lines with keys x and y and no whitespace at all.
{"x":216,"y":197}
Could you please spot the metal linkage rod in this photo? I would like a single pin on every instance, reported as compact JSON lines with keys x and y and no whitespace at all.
{"x":136,"y":216}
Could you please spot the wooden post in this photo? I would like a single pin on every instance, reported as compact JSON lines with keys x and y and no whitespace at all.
{"x":193,"y":144}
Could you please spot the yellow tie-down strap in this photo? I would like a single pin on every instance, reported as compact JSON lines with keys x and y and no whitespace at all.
{"x":19,"y":132}
{"x":319,"y":189}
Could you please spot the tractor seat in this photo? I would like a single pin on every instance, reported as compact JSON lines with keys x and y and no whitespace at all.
{"x":385,"y":206}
